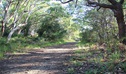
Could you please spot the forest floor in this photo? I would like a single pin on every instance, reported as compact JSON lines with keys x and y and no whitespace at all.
{"x":49,"y":60}
{"x":65,"y":58}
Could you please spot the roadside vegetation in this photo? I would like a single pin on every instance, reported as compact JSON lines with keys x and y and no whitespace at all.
{"x":30,"y":24}
{"x":95,"y":59}
{"x":24,"y":44}
{"x":97,"y":27}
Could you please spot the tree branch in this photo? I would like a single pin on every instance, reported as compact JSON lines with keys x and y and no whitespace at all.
{"x":121,"y":1}
{"x":113,"y":2}
{"x":95,"y":4}
{"x":76,"y":3}
{"x":65,"y":2}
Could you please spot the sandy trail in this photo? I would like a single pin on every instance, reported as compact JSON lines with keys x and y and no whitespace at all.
{"x":50,"y":60}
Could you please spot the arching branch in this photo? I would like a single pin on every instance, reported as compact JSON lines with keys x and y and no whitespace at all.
{"x":95,"y":4}
{"x":65,"y":2}
{"x":76,"y":3}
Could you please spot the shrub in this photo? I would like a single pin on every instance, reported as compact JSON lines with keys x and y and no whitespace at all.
{"x":50,"y":29}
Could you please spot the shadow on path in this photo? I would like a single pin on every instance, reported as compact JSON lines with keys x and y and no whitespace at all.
{"x":40,"y":61}
{"x":69,"y":45}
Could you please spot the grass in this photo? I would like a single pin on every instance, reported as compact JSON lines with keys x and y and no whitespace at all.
{"x":92,"y":60}
{"x":115,"y":56}
{"x":71,"y":71}
{"x":92,"y":71}
{"x":76,"y":63}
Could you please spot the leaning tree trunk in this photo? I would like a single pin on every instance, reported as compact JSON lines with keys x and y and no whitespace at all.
{"x":13,"y":30}
{"x":121,"y":27}
{"x":120,"y":21}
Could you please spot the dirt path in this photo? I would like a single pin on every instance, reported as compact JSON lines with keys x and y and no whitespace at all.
{"x":51,"y":60}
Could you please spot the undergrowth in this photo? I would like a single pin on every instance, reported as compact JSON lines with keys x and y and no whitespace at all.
{"x":99,"y":59}
{"x":21,"y":44}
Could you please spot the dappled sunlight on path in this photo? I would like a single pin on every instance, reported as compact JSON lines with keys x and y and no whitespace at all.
{"x":48,"y":60}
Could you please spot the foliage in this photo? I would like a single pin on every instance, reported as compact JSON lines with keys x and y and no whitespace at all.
{"x":48,"y":23}
{"x":50,"y":29}
{"x":99,"y":27}
{"x":22,"y":44}
{"x":71,"y":71}
{"x":34,"y":23}
{"x":4,"y":47}
{"x":86,"y":36}
{"x":97,"y":60}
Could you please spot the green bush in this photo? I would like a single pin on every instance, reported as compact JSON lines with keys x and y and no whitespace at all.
{"x":88,"y":36}
{"x":4,"y":47}
{"x":50,"y":29}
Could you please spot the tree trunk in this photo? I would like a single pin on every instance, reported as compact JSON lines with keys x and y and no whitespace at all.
{"x":3,"y":28}
{"x":13,"y":30}
{"x":120,"y":21}
{"x":11,"y":33}
{"x":121,"y":27}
